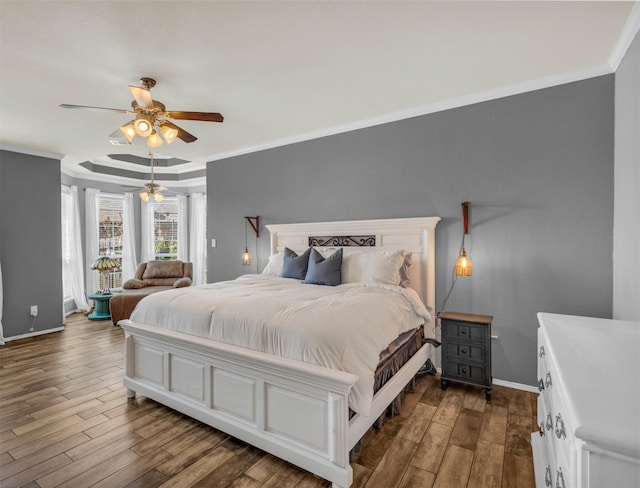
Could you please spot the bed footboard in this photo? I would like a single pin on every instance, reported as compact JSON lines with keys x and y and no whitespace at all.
{"x":295,"y":411}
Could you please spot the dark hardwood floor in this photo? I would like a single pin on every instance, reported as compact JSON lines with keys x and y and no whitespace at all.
{"x":65,"y":421}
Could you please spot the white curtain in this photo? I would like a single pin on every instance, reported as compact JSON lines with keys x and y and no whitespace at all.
{"x":73,"y":263}
{"x":198,"y":238}
{"x":183,"y":246}
{"x":92,"y":217}
{"x":129,"y":262}
{"x":147,"y":249}
{"x":1,"y":331}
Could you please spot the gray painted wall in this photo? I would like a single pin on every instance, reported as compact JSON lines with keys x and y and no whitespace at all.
{"x":30,"y":247}
{"x":537,"y":169}
{"x":626,"y":231}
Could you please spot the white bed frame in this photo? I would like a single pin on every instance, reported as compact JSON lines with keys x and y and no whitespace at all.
{"x":293,"y":410}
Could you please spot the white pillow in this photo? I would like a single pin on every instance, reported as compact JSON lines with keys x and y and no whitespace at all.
{"x":373,"y":267}
{"x":274,"y":266}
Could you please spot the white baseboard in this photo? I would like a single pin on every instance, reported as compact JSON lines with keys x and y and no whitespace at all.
{"x":33,"y":334}
{"x":516,"y":386}
{"x":509,"y":384}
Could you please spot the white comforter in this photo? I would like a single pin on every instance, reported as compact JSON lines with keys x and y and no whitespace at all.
{"x":341,"y":327}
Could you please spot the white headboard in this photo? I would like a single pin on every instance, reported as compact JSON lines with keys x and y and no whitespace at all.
{"x":416,"y":235}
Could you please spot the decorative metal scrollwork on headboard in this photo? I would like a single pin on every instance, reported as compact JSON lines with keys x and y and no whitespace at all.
{"x":329,"y":241}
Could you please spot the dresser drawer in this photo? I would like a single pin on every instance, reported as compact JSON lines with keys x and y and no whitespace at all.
{"x":465,"y":351}
{"x":464,"y":371}
{"x":465,"y":331}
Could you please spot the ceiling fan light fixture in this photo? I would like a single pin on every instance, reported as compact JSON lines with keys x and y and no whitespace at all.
{"x":144,"y":196}
{"x":154,"y":139}
{"x":169,"y":133}
{"x":158,"y":197}
{"x":143,"y":127}
{"x":129,"y":131}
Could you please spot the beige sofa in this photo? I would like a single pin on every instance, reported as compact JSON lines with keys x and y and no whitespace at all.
{"x":150,"y":277}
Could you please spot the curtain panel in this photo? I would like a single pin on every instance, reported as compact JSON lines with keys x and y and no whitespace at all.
{"x":198,"y":238}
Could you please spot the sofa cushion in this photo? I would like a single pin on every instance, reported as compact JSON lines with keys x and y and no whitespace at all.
{"x":133,"y":284}
{"x":163,"y":269}
{"x":182,"y":282}
{"x":161,"y":281}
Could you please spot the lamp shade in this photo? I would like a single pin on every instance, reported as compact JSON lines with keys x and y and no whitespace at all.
{"x":104,"y":263}
{"x":142,"y":127}
{"x":129,"y":131}
{"x":154,"y":139}
{"x":169,"y":133}
{"x":463,"y":265}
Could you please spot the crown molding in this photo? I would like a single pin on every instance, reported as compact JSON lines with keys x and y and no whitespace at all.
{"x":31,"y":152}
{"x":440,"y":106}
{"x":629,"y":32}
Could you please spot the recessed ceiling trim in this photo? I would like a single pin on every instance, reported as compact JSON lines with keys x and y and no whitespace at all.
{"x":124,"y":173}
{"x":440,"y":106}
{"x":144,"y":161}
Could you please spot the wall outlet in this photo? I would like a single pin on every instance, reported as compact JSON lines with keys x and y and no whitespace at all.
{"x":34,"y":310}
{"x":214,"y":243}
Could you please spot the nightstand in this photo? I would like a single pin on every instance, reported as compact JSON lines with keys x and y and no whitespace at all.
{"x":101,"y":311}
{"x":466,"y":349}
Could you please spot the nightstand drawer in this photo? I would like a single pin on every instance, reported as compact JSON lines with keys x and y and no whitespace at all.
{"x":464,"y":331}
{"x":466,"y":351}
{"x":464,"y":371}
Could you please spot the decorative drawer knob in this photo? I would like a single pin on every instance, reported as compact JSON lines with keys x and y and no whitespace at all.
{"x":463,"y":331}
{"x":540,"y":384}
{"x":464,"y":370}
{"x":463,"y":351}
{"x":549,"y":423}
{"x":547,"y":477}
{"x":560,"y":432}
{"x":547,"y":381}
{"x":559,"y":478}
{"x":541,"y":353}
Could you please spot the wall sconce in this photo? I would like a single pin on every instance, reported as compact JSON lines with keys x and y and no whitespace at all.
{"x":463,"y":264}
{"x":255,"y":225}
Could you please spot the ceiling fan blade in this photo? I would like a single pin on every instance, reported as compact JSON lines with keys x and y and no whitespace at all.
{"x":182,"y":134}
{"x":142,"y":96}
{"x":203,"y":116}
{"x":101,"y":109}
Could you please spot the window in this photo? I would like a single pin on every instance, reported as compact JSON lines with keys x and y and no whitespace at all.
{"x":110,"y":235}
{"x":165,"y":229}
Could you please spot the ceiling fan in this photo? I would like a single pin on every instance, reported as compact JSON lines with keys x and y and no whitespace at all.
{"x":152,"y":189}
{"x":150,"y":117}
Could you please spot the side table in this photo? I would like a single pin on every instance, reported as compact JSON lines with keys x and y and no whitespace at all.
{"x":466,"y":350}
{"x":101,"y":311}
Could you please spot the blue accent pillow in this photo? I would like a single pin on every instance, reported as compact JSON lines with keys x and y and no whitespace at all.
{"x":324,"y":271}
{"x":294,"y":266}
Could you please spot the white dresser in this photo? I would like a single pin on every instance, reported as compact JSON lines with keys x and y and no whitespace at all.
{"x":589,"y":403}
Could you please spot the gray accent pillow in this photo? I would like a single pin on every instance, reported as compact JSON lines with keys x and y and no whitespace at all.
{"x":324,"y":271}
{"x":294,"y":266}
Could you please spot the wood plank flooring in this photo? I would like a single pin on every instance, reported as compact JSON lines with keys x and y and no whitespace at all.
{"x":65,"y":421}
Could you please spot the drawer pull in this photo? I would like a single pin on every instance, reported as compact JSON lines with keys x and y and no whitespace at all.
{"x":559,"y":479}
{"x":464,"y":370}
{"x":463,"y":331}
{"x":560,"y":432}
{"x":547,"y":477}
{"x":540,"y":384}
{"x":463,"y":351}
{"x":548,"y":382}
{"x":549,"y":423}
{"x":541,"y":353}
